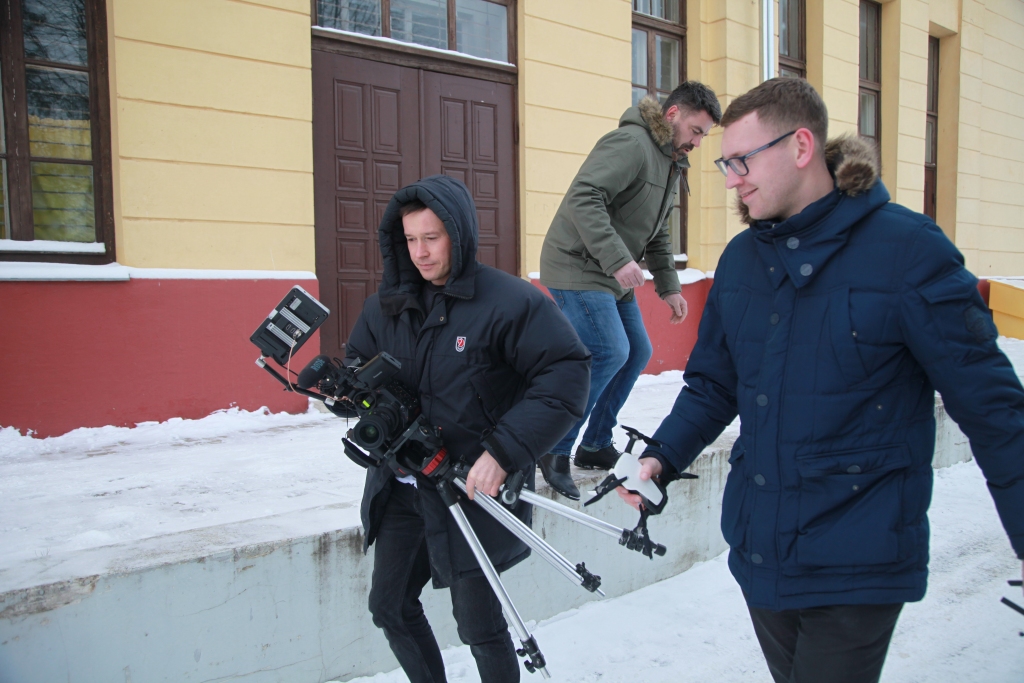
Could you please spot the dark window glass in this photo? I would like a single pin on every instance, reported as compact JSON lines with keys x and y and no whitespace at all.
{"x":357,"y":16}
{"x":474,"y":27}
{"x":869,"y":122}
{"x":62,"y":202}
{"x":58,"y":113}
{"x":792,"y":60}
{"x":931,"y":132}
{"x":482,"y":29}
{"x":55,"y":174}
{"x":870,"y":39}
{"x":54,"y":31}
{"x":667,"y":59}
{"x":662,"y":9}
{"x":424,"y":22}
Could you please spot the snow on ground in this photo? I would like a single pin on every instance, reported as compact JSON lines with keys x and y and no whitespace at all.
{"x":86,"y":502}
{"x":113,"y":498}
{"x":695,"y":627}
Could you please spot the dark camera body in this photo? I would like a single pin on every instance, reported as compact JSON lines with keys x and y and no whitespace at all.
{"x":389,"y":412}
{"x":391,"y":429}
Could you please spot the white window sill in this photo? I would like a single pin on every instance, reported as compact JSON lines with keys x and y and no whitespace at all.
{"x":27,"y":271}
{"x":51,"y":247}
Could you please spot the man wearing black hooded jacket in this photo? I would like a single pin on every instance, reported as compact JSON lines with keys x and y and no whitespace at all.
{"x":503,"y":375}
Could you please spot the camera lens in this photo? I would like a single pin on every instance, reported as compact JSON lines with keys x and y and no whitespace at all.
{"x":370,"y":432}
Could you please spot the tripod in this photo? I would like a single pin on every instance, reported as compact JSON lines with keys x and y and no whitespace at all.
{"x":455,"y":480}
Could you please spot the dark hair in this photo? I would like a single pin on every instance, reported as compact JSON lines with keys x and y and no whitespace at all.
{"x":694,"y":96}
{"x":411,"y":206}
{"x":782,"y":105}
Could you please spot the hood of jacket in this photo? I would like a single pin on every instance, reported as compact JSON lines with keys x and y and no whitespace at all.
{"x":450,"y":200}
{"x":647,"y":114}
{"x":802,"y":244}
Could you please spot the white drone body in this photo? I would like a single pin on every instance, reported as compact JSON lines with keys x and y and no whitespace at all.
{"x":628,"y":467}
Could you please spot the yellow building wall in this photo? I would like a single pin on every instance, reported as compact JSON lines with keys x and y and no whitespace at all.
{"x":724,"y":52}
{"x":211,"y":118}
{"x":574,"y":84}
{"x":990,"y":187}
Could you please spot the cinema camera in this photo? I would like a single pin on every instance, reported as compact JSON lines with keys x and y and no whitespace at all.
{"x":392,"y":432}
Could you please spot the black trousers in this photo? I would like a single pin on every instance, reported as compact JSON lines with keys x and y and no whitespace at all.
{"x":835,"y":644}
{"x":401,"y":569}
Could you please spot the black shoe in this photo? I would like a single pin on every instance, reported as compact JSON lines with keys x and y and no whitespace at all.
{"x":555,"y":469}
{"x":601,"y":459}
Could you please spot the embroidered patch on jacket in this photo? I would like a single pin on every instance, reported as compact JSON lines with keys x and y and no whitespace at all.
{"x":460,"y":344}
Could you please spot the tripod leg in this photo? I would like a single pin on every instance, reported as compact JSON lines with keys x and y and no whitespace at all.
{"x":578,"y":574}
{"x":634,"y":539}
{"x":535,"y":659}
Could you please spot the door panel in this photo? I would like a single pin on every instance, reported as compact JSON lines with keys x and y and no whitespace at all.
{"x":365,"y":147}
{"x":378,"y":127}
{"x":468,"y":131}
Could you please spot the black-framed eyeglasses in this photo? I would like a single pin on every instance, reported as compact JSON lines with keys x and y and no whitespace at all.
{"x":739,"y":164}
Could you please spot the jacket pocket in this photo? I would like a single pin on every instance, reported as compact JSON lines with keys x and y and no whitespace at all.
{"x":635,"y":202}
{"x":735,"y":509}
{"x":844,"y":337}
{"x":850,"y":507}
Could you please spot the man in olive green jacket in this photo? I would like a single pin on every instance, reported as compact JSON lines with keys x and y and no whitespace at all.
{"x":615,"y":214}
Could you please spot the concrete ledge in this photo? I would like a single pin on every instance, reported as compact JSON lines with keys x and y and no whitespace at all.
{"x":295,"y":610}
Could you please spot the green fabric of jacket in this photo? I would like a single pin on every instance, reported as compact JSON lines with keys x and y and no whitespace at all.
{"x":617,"y":209}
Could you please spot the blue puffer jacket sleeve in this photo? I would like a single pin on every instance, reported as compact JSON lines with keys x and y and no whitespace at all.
{"x":950,"y":332}
{"x":707,"y":404}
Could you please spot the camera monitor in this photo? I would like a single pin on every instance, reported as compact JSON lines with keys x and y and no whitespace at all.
{"x":289,"y":325}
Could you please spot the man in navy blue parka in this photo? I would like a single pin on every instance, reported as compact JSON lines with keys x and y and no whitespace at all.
{"x":832,"y":321}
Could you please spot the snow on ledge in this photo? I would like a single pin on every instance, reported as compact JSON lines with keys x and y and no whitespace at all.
{"x":199,"y":274}
{"x":18,"y":271}
{"x":417,"y":46}
{"x":114,"y":272}
{"x":52,"y":247}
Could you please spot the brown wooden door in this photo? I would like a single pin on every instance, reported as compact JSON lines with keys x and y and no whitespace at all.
{"x":378,"y":127}
{"x":468,"y":134}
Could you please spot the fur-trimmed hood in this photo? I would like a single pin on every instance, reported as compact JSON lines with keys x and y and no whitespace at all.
{"x":647,"y":113}
{"x":853,"y":163}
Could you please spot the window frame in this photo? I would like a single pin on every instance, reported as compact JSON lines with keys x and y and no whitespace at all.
{"x":873,"y":87}
{"x":385,"y":28}
{"x":791,"y":63}
{"x":655,"y":26}
{"x":15,"y":106}
{"x":932,"y":117}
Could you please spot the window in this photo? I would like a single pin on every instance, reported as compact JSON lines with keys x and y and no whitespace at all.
{"x":792,"y":40}
{"x":54,"y":147}
{"x":870,"y":116}
{"x":658,"y":48}
{"x":474,"y":27}
{"x":659,"y":65}
{"x":931,"y":132}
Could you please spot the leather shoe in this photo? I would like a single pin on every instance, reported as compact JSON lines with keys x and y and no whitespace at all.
{"x":555,"y":469}
{"x":601,"y":459}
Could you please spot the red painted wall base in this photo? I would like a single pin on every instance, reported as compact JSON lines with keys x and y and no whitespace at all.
{"x":89,"y":354}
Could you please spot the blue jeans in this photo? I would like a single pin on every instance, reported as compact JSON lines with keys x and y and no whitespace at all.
{"x":614,"y":333}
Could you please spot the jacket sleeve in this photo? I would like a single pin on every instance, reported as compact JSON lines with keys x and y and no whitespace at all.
{"x":661,"y":262}
{"x":950,"y":332}
{"x":707,"y":403}
{"x":612,"y":165}
{"x":543,"y":348}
